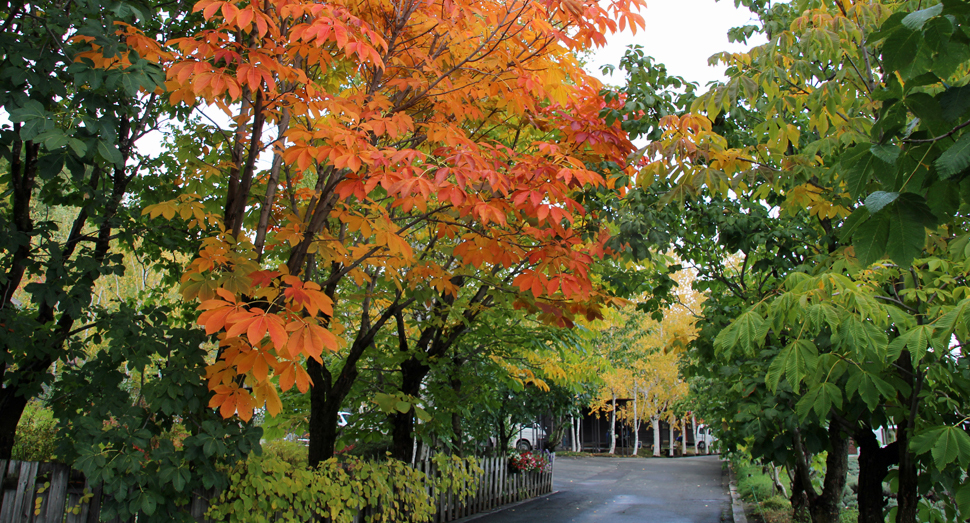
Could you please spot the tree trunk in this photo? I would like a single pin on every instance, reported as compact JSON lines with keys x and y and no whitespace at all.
{"x":693,"y":428}
{"x":683,"y":434}
{"x":670,"y":436}
{"x":613,"y":426}
{"x":656,"y":435}
{"x":636,"y":420}
{"x":907,"y":495}
{"x":324,"y":408}
{"x":801,"y":486}
{"x":579,"y":434}
{"x":11,"y":409}
{"x":799,"y":495}
{"x":825,"y":507}
{"x":779,"y":486}
{"x":413,"y":373}
{"x":874,"y":463}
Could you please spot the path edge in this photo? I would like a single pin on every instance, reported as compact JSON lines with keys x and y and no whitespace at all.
{"x":737,"y":506}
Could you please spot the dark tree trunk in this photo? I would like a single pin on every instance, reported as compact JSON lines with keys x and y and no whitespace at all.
{"x":327,"y":394}
{"x":413,"y":373}
{"x":825,"y":507}
{"x":874,"y":463}
{"x":799,"y":496}
{"x":323,"y":415}
{"x":11,"y":408}
{"x":907,"y":495}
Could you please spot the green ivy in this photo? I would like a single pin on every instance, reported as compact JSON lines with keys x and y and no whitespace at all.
{"x":269,"y":488}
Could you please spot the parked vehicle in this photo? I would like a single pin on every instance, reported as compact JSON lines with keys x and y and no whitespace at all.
{"x":705,"y":439}
{"x":528,"y":437}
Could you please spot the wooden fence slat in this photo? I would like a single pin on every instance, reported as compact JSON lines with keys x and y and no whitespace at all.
{"x":6,"y":494}
{"x":20,"y":508}
{"x":11,"y":480}
{"x":52,"y":511}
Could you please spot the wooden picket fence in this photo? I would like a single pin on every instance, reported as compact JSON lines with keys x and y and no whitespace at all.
{"x":32,"y":492}
{"x":496,"y":487}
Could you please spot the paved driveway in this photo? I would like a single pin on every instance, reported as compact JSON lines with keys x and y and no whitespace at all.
{"x":627,"y":490}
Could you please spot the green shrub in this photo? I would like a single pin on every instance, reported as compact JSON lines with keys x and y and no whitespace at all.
{"x":753,"y":484}
{"x":270,"y":488}
{"x":776,"y":503}
{"x":292,"y":452}
{"x":36,"y":438}
{"x":849,"y":516}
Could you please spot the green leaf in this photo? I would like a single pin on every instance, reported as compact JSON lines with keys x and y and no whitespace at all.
{"x":954,"y":102}
{"x":801,"y":359}
{"x":955,"y":159}
{"x":78,"y":146}
{"x":422,"y":414}
{"x":833,"y":398}
{"x":31,"y":110}
{"x":886,"y":153}
{"x":870,"y":239}
{"x":148,"y":504}
{"x":916,"y":19}
{"x":878,"y":200}
{"x":957,"y":316}
{"x":859,"y":164}
{"x":109,"y":152}
{"x":747,"y":332}
{"x":952,"y":444}
{"x":386,"y":402}
{"x":919,"y":339}
{"x":963,"y":500}
{"x":908,"y":218}
{"x":900,"y":49}
{"x":402,"y":406}
{"x":776,"y":369}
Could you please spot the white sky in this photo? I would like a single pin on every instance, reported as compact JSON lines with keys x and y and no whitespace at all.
{"x":681,"y":34}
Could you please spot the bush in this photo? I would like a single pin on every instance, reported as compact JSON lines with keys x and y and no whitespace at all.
{"x":291,"y":452}
{"x":776,"y":503}
{"x":753,"y":484}
{"x":270,"y":488}
{"x":36,"y":438}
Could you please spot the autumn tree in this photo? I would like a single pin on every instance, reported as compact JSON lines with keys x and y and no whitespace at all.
{"x":393,"y":129}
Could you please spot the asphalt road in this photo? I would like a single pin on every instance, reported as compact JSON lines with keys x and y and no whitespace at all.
{"x":624,"y":490}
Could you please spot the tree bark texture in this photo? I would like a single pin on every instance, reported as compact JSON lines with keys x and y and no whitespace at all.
{"x":874,"y":463}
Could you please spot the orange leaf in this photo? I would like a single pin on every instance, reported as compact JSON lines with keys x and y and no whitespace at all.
{"x":287,"y":376}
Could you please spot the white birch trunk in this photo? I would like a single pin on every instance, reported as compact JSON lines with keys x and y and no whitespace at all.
{"x":683,"y":435}
{"x":636,"y":420}
{"x":693,"y":428}
{"x":656,"y":435}
{"x":579,"y":434}
{"x":613,"y":427}
{"x":572,"y":432}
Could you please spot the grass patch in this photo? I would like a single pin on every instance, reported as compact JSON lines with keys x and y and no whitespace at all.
{"x":753,"y":484}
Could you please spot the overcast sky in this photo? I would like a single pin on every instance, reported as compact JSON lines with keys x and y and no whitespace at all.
{"x":682,"y":34}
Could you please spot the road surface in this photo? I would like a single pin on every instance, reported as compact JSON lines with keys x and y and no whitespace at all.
{"x":626,"y":490}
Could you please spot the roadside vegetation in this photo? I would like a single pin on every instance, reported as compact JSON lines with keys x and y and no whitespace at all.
{"x":226,"y":224}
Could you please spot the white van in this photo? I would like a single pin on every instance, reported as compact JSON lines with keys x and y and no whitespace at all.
{"x":528,"y":437}
{"x":705,"y":439}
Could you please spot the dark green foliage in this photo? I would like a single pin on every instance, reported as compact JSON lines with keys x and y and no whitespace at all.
{"x":138,"y":417}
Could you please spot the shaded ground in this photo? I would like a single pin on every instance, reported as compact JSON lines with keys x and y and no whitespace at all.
{"x":626,"y":490}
